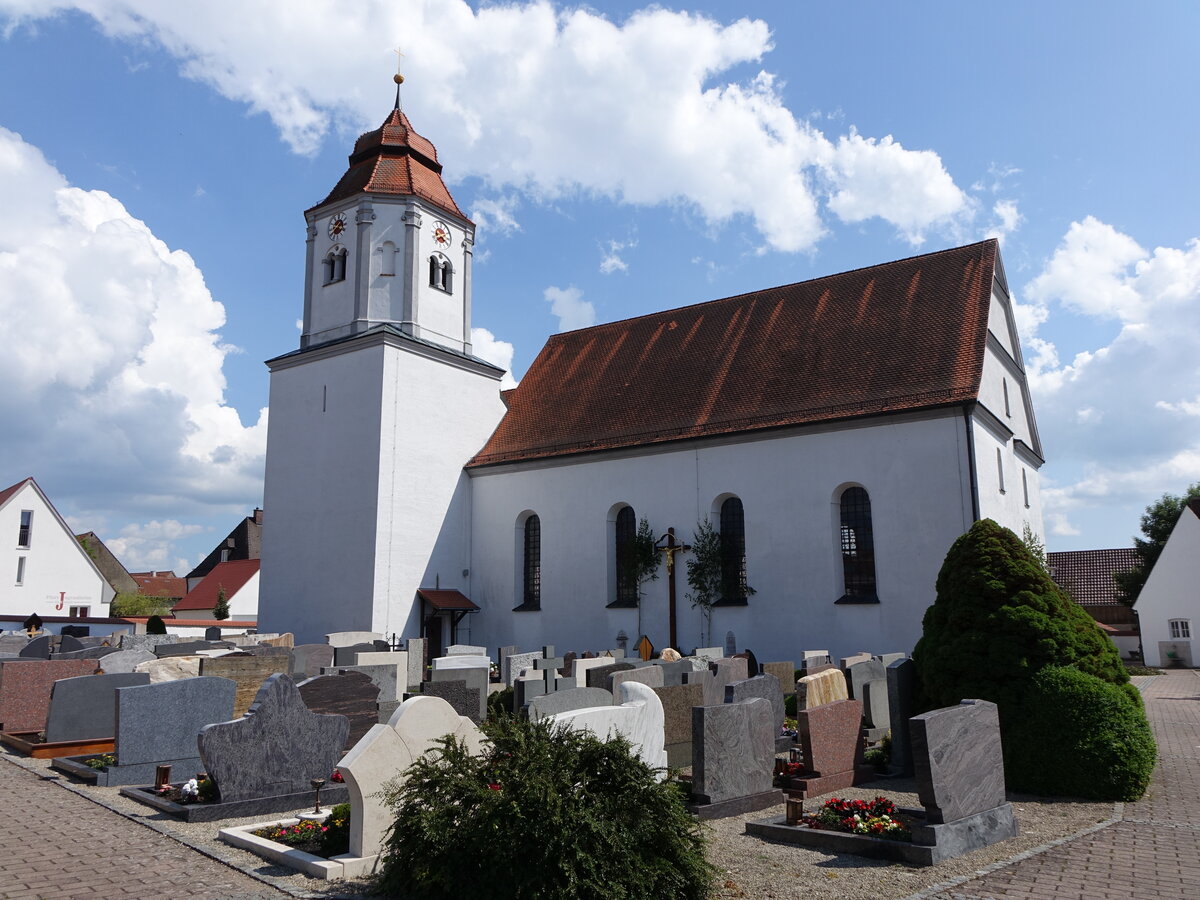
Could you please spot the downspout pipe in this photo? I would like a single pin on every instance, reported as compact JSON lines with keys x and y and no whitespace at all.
{"x":968,"y":408}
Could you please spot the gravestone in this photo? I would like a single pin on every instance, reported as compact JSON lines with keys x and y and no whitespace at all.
{"x":901,"y":689}
{"x":673,"y":670}
{"x":752,"y":667}
{"x":475,"y":678}
{"x":386,"y":678}
{"x":307,"y":660}
{"x":568,"y":668}
{"x":171,"y":668}
{"x":706,"y":681}
{"x":416,"y":648}
{"x":349,"y":638}
{"x":958,"y":760}
{"x":818,"y":668}
{"x":384,"y":755}
{"x":829,"y":740}
{"x":785,"y":672}
{"x":709,"y":653}
{"x":765,"y":687}
{"x":275,"y":749}
{"x":597,"y":676}
{"x":249,"y":673}
{"x":867,"y":682}
{"x":814,"y":658}
{"x":637,"y":716}
{"x":351,"y":694}
{"x":515,"y":663}
{"x":463,"y":661}
{"x":733,"y":757}
{"x":827,"y":686}
{"x":76,"y":631}
{"x":13,"y":643}
{"x":465,"y":650}
{"x":730,"y":644}
{"x":212,"y":633}
{"x":888,"y":658}
{"x":146,"y":641}
{"x":189,"y":648}
{"x":85,"y":707}
{"x":585,"y":664}
{"x":287,"y":639}
{"x":651,"y":676}
{"x":568,"y":700}
{"x":724,"y":671}
{"x":25,"y":689}
{"x":622,"y":640}
{"x":157,"y":724}
{"x":677,"y":702}
{"x":547,"y":667}
{"x":42,"y":647}
{"x":348,"y":654}
{"x":848,"y":661}
{"x":267,"y":650}
{"x":125,"y":660}
{"x":87,"y":653}
{"x":463,"y":700}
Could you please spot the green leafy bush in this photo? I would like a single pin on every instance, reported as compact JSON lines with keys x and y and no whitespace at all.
{"x":335,"y":840}
{"x":544,"y":813}
{"x":139,"y":605}
{"x":998,"y":620}
{"x":500,"y":703}
{"x":1080,"y":736}
{"x":154,"y":625}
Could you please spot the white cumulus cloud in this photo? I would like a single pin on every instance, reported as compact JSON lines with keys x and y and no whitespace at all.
{"x":113,"y":360}
{"x":551,"y":100}
{"x":499,"y":353}
{"x":570,"y":308}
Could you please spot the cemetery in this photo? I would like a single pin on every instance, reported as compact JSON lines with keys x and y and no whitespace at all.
{"x":318,"y":757}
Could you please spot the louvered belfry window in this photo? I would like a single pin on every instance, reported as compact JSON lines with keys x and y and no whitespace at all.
{"x":533,"y":562}
{"x":626,"y":531}
{"x":733,"y":551}
{"x":858,"y":544}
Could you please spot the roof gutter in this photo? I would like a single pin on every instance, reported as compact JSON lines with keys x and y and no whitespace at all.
{"x":967,"y":407}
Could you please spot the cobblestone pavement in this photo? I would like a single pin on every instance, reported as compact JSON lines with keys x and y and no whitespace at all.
{"x":56,"y":844}
{"x":1153,"y":852}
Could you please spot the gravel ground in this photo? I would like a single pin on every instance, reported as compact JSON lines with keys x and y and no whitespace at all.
{"x":749,"y":866}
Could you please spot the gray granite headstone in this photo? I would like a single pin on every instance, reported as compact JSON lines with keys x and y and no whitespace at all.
{"x":85,"y":707}
{"x":190,"y":648}
{"x":124,"y":660}
{"x":275,"y":749}
{"x":348,"y":656}
{"x":146,"y":641}
{"x":385,"y":677}
{"x":958,"y":760}
{"x":87,"y":653}
{"x":598,"y":675}
{"x":212,"y":633}
{"x":711,"y":694}
{"x":859,"y":677}
{"x":309,"y":659}
{"x":502,"y":654}
{"x":476,"y":679}
{"x":673,"y":671}
{"x":901,"y":688}
{"x":677,"y":701}
{"x":416,"y":648}
{"x":565,"y":701}
{"x":730,"y":644}
{"x":516,"y":663}
{"x":158,"y":723}
{"x":765,"y":686}
{"x":465,"y":650}
{"x":733,"y":750}
{"x":266,"y":650}
{"x":888,"y":658}
{"x":464,"y":700}
{"x":724,"y":671}
{"x":651,"y":676}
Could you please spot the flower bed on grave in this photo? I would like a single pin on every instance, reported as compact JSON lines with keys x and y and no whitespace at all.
{"x":878,"y":818}
{"x":307,"y":845}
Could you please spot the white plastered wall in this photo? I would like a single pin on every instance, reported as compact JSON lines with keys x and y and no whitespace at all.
{"x":1173,"y":590}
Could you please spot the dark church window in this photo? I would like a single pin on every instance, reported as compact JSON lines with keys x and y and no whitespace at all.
{"x":532,"y":595}
{"x":626,"y":532}
{"x":441,"y":275}
{"x":733,"y":553}
{"x":858,"y":547}
{"x":334,"y":266}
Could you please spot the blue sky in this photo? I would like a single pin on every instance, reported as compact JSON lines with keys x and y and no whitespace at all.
{"x":155,"y":160}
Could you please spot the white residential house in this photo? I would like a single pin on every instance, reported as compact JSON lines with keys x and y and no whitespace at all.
{"x":238,"y":578}
{"x":43,"y":567}
{"x":1168,"y":606}
{"x":841,"y":433}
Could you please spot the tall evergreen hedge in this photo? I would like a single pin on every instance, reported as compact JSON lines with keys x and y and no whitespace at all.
{"x":998,"y":621}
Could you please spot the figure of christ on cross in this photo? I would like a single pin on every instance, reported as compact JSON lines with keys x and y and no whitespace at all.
{"x":668,"y":547}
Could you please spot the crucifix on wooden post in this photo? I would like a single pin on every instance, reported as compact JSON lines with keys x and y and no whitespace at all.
{"x":667,"y":546}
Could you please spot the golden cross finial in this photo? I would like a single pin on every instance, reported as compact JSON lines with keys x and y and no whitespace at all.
{"x":398,"y":78}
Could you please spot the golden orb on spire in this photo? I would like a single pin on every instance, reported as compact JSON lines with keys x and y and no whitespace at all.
{"x":398,"y":78}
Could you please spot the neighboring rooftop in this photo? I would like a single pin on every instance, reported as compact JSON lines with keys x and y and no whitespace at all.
{"x":232,"y":576}
{"x":904,"y":335}
{"x":160,"y":584}
{"x":244,"y":542}
{"x":1087,"y":575}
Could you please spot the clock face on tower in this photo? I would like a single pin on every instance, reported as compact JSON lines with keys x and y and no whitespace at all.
{"x":441,"y":235}
{"x":337,"y":225}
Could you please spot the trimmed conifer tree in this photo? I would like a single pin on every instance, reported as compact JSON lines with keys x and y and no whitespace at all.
{"x":221,"y":609}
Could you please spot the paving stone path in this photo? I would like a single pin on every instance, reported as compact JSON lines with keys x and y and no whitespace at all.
{"x":55,"y":844}
{"x":1153,"y":852}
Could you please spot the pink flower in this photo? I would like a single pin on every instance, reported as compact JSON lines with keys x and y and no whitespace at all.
{"x":493,"y":786}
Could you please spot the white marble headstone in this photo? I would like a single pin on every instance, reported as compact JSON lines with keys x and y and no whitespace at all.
{"x":638,"y":717}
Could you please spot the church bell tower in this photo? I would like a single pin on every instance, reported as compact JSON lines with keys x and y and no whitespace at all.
{"x":374,"y":416}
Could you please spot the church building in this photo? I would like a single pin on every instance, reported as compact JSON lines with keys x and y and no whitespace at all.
{"x":839,"y":434}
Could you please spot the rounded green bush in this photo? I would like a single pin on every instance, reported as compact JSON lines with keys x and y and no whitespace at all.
{"x":998,"y":620}
{"x":544,"y":813}
{"x":1079,"y":736}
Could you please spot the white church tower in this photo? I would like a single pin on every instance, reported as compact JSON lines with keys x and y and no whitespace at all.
{"x":373,"y":418}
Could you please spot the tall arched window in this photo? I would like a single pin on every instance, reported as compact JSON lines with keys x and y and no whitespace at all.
{"x":858,"y":547}
{"x":339,"y":266}
{"x":625,"y":532}
{"x":441,"y":273}
{"x":733,"y":552}
{"x":532,"y":580}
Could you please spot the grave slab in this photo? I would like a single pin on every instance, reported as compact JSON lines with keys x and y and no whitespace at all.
{"x":764,"y":686}
{"x":25,"y":689}
{"x":825,"y":687}
{"x":347,"y":638}
{"x":568,"y":700}
{"x":248,"y":672}
{"x":475,"y":678}
{"x":309,"y":659}
{"x":172,"y":668}
{"x":125,"y":661}
{"x":901,"y":686}
{"x":638,"y":716}
{"x":733,"y":752}
{"x":958,"y":760}
{"x":351,"y":694}
{"x":463,"y":700}
{"x":85,"y":708}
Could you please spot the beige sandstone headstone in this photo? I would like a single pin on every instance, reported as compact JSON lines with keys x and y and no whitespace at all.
{"x":170,"y":668}
{"x":284,"y":640}
{"x":818,"y":690}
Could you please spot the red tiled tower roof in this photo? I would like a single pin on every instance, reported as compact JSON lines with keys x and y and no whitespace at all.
{"x":394,"y":159}
{"x":904,"y":335}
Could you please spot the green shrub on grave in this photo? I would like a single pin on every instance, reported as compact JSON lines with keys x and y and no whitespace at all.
{"x":1082,"y":737}
{"x":543,"y":813}
{"x":335,"y":839}
{"x":500,"y":703}
{"x":155,"y":625}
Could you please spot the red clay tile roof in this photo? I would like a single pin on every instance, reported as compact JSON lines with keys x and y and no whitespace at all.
{"x":9,"y":491}
{"x":231,"y":575}
{"x":900,"y":336}
{"x":440,"y":599}
{"x":394,"y":159}
{"x":1087,"y":575}
{"x":160,"y":584}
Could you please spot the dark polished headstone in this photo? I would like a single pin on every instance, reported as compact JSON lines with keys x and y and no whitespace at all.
{"x":85,"y":707}
{"x":87,"y":653}
{"x":42,"y":647}
{"x":76,"y":631}
{"x":901,"y":687}
{"x":347,"y":656}
{"x":958,"y":760}
{"x":277,"y":748}
{"x":190,"y":648}
{"x":212,"y":633}
{"x":350,"y":694}
{"x":565,"y":701}
{"x":597,"y":676}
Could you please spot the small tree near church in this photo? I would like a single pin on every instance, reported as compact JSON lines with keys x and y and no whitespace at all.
{"x":221,"y":610}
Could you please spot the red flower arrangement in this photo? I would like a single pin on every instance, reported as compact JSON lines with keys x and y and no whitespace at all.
{"x":873,"y":818}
